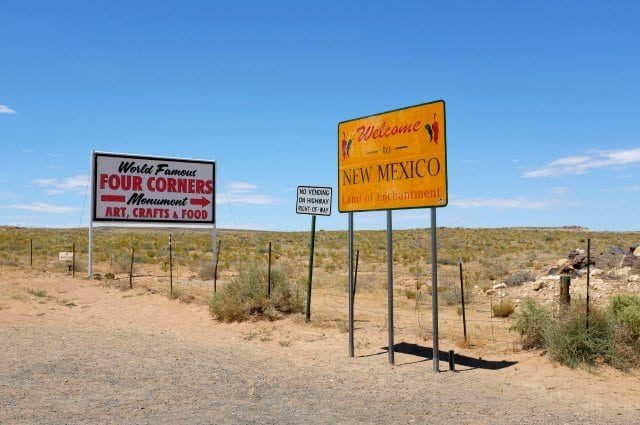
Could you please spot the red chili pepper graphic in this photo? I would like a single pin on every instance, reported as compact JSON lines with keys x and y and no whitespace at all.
{"x":436,"y":129}
{"x":346,"y":147}
{"x":433,"y":130}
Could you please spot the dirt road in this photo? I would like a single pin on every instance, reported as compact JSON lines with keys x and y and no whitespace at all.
{"x":84,"y":353}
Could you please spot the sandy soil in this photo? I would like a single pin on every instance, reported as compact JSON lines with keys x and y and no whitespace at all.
{"x":87,"y":353}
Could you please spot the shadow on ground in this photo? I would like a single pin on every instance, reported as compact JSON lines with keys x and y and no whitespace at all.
{"x":426,"y":353}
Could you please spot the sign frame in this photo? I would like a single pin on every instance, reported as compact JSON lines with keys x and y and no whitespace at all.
{"x":94,"y":174}
{"x":315,"y":187}
{"x":446,"y":165}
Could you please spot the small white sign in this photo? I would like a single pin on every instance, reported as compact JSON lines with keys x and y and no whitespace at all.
{"x":65,"y":256}
{"x":313,"y":200}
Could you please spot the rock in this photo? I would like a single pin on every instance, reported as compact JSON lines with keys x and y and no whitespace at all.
{"x":553,"y":271}
{"x":629,"y":261}
{"x":567,"y":269}
{"x":575,"y":252}
{"x":596,"y":272}
{"x":499,"y":285}
{"x":616,"y":250}
{"x":633,"y":278}
{"x":490,"y":291}
{"x":549,"y":278}
{"x":538,"y":285}
{"x":580,"y":261}
{"x":561,"y":262}
{"x":635,"y":250}
{"x":623,"y":272}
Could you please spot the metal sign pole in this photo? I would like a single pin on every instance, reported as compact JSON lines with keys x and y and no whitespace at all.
{"x":91,"y":183}
{"x":311,"y":247}
{"x":434,"y":290}
{"x":350,"y":253}
{"x":214,"y":230}
{"x":390,"y":286}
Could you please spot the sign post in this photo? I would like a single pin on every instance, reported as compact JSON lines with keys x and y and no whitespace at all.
{"x":314,"y":201}
{"x":394,"y":160}
{"x":147,"y":189}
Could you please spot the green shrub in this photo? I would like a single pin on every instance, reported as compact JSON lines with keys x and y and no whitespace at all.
{"x":625,"y":310}
{"x":520,"y":277}
{"x":246,"y":296}
{"x":504,"y":308}
{"x":531,"y":323}
{"x":572,"y":343}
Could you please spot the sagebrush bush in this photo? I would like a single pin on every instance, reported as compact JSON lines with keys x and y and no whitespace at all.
{"x":626,"y":312}
{"x":531,"y":323}
{"x":572,"y":343}
{"x":520,"y":277}
{"x":504,"y":308}
{"x":611,"y":335}
{"x":246,"y":296}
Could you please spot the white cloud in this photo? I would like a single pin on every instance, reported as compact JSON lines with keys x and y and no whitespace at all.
{"x":505,"y":203}
{"x":241,"y":187}
{"x":583,"y":163}
{"x":44,"y":208}
{"x":559,"y":190}
{"x":68,"y":184}
{"x":6,"y":110}
{"x":241,"y":193}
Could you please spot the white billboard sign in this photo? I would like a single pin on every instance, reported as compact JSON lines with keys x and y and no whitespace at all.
{"x":153,"y":189}
{"x":313,"y":200}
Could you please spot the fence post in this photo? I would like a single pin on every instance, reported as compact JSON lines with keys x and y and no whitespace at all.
{"x":464,"y":317}
{"x":131,"y":268}
{"x":31,"y":253}
{"x":73,"y":259}
{"x":170,"y":266}
{"x":588,"y":276}
{"x":565,"y":298}
{"x":215,"y":270}
{"x":269,"y":273}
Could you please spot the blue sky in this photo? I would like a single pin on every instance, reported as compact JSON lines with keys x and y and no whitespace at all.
{"x":542,"y":102}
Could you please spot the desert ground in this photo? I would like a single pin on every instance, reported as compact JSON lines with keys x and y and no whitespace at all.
{"x":74,"y":350}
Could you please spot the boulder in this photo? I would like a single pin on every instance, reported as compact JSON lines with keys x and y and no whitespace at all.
{"x":575,"y":252}
{"x":635,"y":250}
{"x":633,"y":278}
{"x":553,"y":271}
{"x":567,"y":269}
{"x":538,"y":285}
{"x":616,"y":250}
{"x":499,"y":285}
{"x":580,"y":261}
{"x":629,"y":260}
{"x":490,"y":291}
{"x":596,"y":272}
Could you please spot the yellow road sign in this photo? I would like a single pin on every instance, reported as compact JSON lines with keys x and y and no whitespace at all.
{"x":393,"y":160}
